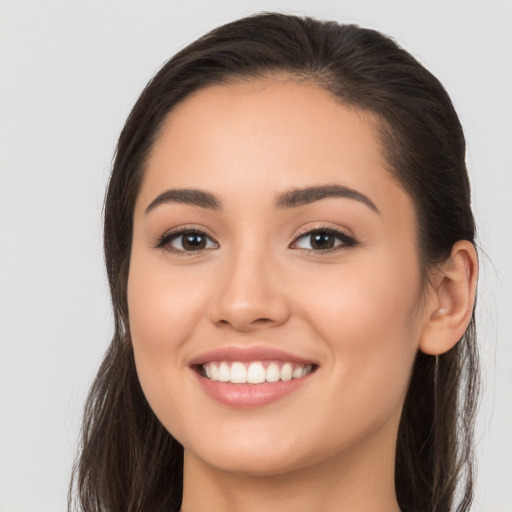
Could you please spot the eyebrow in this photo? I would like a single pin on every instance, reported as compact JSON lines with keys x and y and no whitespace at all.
{"x":302,"y":196}
{"x":290,"y":199}
{"x":188,"y":196}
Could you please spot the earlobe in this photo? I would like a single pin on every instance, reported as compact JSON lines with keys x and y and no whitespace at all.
{"x":451,"y":304}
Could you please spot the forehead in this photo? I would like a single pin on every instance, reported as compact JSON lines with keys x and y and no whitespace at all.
{"x":270,"y":118}
{"x":252,"y":139}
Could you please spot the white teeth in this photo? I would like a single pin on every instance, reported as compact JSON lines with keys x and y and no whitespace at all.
{"x":254,"y":373}
{"x":298,"y":372}
{"x":214,"y":370}
{"x":224,"y":373}
{"x":238,"y":373}
{"x":273,"y":373}
{"x":287,"y":372}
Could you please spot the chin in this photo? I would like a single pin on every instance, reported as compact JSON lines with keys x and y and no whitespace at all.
{"x":251,"y":462}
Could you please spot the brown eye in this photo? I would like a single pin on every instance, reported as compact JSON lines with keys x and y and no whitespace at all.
{"x":324,"y":240}
{"x":192,"y":241}
{"x":187,"y":241}
{"x":321,"y":241}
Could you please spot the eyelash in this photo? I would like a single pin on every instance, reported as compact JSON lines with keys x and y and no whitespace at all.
{"x":347,"y":241}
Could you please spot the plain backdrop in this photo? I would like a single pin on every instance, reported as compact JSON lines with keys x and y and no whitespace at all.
{"x":69,"y":73}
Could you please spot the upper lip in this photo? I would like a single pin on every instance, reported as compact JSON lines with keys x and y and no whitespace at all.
{"x":247,"y":354}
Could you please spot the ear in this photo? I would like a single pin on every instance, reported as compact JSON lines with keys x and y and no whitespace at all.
{"x":450,"y":304}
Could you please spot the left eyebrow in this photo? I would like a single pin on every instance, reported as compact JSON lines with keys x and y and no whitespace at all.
{"x":302,"y":196}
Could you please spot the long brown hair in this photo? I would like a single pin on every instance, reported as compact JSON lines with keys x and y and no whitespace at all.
{"x":128,"y":461}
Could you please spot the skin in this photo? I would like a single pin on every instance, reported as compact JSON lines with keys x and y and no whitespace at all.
{"x":360,"y":313}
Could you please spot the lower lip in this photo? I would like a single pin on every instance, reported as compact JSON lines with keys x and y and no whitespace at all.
{"x":249,"y":395}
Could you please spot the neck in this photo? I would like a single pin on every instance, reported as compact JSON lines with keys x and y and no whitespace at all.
{"x":357,"y":480}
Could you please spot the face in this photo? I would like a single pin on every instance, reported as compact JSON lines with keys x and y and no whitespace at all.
{"x":274,"y":282}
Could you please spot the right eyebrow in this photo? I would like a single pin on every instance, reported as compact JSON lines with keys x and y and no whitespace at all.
{"x":187,"y":196}
{"x":301,"y":196}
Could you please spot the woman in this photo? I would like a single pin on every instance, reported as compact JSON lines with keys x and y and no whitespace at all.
{"x":290,"y":251}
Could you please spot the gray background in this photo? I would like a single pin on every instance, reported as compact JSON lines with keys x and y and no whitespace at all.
{"x":69,"y":73}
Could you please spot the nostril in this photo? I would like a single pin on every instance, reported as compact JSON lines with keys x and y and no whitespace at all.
{"x":248,"y":315}
{"x":246,"y":327}
{"x":262,"y":321}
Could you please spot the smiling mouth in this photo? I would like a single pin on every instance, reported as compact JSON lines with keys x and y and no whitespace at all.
{"x":254,"y":372}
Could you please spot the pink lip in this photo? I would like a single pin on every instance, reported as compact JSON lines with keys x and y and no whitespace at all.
{"x":246,"y":354}
{"x":248,"y":395}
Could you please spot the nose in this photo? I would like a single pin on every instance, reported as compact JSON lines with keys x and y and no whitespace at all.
{"x":250,"y":295}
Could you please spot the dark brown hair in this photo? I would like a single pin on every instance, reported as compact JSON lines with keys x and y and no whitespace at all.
{"x":128,"y":461}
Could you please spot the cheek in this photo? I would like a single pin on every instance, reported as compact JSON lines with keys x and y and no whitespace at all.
{"x":162,"y":307}
{"x":163,"y":311}
{"x":369,"y":321}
